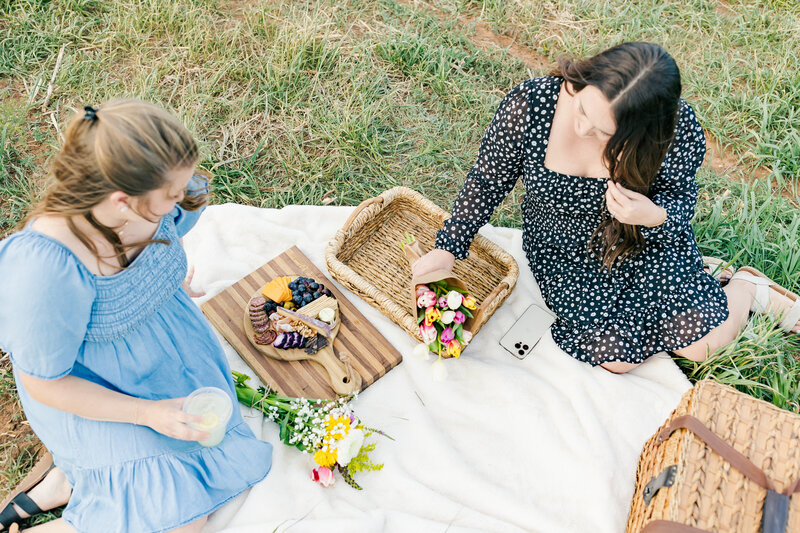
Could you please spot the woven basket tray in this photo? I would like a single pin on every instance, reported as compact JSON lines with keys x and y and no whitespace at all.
{"x":364,"y":256}
{"x":709,"y":493}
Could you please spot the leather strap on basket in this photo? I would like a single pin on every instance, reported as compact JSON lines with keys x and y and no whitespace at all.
{"x":665,"y":526}
{"x":736,"y":459}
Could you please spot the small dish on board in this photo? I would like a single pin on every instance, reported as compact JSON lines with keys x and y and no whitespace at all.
{"x":306,"y":336}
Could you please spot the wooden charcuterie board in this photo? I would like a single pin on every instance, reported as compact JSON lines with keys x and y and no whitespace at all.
{"x":370,"y":354}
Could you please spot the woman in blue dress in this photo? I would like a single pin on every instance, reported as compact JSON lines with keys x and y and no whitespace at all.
{"x":608,"y":153}
{"x":104,"y":341}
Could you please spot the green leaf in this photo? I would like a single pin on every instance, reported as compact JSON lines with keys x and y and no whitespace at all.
{"x":465,"y":311}
{"x":284,"y":434}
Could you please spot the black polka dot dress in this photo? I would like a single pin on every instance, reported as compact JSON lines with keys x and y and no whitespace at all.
{"x":661,"y":299}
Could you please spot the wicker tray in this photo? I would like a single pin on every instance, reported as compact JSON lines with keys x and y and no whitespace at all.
{"x":707,"y":492}
{"x":364,"y":257}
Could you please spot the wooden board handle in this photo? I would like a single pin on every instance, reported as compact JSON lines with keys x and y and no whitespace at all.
{"x":343,"y":378}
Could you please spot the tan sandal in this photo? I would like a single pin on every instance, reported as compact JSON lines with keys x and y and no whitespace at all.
{"x":718,"y":269}
{"x":9,"y":515}
{"x":762,"y":302}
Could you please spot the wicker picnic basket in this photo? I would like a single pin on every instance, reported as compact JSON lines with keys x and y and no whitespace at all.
{"x":364,"y":256}
{"x":723,"y":462}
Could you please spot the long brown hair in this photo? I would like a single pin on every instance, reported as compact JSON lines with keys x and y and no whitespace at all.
{"x":643,"y":84}
{"x":125,"y":145}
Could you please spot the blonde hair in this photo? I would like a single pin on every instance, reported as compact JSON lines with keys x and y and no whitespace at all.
{"x":125,"y":145}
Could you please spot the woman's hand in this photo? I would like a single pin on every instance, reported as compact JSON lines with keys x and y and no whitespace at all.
{"x":632,"y":208}
{"x":187,"y":285}
{"x":167,"y":418}
{"x":436,"y":259}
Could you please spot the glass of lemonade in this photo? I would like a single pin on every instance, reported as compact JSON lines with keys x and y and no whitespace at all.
{"x":215,"y":406}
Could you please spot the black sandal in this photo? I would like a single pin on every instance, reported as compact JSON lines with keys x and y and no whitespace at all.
{"x":18,"y":496}
{"x":9,"y":515}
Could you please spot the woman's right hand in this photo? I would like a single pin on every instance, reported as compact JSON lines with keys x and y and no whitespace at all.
{"x":436,"y":259}
{"x":167,"y":417}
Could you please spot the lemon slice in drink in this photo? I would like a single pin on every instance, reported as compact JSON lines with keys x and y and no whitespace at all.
{"x":210,"y":421}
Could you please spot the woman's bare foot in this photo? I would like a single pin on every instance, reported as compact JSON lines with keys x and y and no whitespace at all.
{"x":53,"y":491}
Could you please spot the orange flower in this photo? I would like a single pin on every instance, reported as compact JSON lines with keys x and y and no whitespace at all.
{"x":454,"y":348}
{"x":432,"y":314}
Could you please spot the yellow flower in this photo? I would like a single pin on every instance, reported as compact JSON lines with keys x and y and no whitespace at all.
{"x":337,"y":427}
{"x":454,"y":348}
{"x":432,"y":314}
{"x":326,"y":456}
{"x":470,"y":303}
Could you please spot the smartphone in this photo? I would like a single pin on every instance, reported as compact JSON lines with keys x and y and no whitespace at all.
{"x":527,"y":330}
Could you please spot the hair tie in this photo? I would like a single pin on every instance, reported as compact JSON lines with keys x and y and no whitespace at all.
{"x":91,"y":113}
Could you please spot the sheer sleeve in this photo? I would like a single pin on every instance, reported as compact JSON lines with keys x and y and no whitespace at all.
{"x":675,"y":188}
{"x":493,"y":175}
{"x":185,"y":219}
{"x":46,"y":299}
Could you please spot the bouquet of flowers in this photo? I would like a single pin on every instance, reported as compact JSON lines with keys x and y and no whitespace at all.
{"x":442,"y":310}
{"x":442,"y":305}
{"x":326,"y":429}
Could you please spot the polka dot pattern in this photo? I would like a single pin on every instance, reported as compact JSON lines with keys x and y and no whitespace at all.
{"x":661,"y":299}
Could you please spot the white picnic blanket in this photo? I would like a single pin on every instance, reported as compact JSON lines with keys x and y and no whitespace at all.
{"x":546,"y":444}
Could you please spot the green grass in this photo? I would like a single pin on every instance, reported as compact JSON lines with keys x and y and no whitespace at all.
{"x":751,"y":225}
{"x":300,"y":102}
{"x":739,"y":64}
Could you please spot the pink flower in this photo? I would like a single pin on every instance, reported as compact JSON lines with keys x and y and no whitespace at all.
{"x":428,"y":333}
{"x":459,"y":318}
{"x":448,"y":335}
{"x":422,"y":289}
{"x":427,"y":299}
{"x":323,"y":475}
{"x":442,"y":302}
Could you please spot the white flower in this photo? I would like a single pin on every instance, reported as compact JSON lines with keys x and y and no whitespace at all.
{"x":454,"y":300}
{"x":349,"y":446}
{"x":448,"y":316}
{"x":466,"y":335}
{"x":439,"y":370}
{"x":421,"y":351}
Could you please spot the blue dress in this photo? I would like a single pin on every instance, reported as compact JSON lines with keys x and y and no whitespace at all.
{"x":136,"y":332}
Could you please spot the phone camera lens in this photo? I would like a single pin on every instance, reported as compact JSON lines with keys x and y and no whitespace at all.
{"x":522,"y":352}
{"x":525,"y":347}
{"x":518,"y":345}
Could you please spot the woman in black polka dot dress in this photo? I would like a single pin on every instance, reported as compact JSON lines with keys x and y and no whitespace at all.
{"x":615,"y":258}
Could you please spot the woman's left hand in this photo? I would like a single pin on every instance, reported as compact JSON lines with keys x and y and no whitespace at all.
{"x":632,"y":208}
{"x":187,"y":285}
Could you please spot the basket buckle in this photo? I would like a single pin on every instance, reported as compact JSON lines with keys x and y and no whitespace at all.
{"x":775,"y":516}
{"x":665,"y":479}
